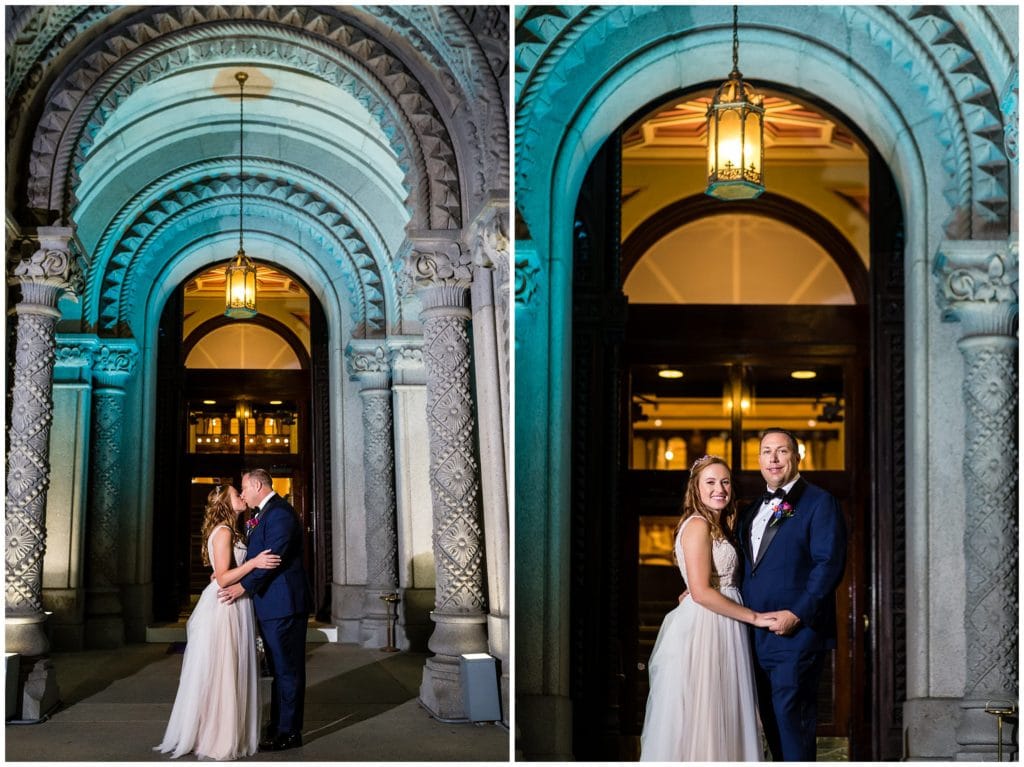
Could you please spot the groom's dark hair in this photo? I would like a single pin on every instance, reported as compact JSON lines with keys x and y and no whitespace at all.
{"x":779,"y":430}
{"x":262,"y":476}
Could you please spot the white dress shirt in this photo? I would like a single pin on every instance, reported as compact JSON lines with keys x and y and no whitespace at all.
{"x":760,"y":523}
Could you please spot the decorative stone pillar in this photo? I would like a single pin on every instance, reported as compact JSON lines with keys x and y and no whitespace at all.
{"x":978,"y":288}
{"x":48,"y":272}
{"x":368,"y":363}
{"x":490,"y":292}
{"x":113,"y":366}
{"x":441,"y":270}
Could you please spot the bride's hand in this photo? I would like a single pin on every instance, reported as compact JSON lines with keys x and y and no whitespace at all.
{"x":763,"y":620}
{"x":266,"y":561}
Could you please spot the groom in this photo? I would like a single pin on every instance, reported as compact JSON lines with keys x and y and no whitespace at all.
{"x":794,"y":541}
{"x":281,"y":600}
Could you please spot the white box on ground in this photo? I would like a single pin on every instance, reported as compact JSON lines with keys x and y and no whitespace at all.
{"x":479,"y":672}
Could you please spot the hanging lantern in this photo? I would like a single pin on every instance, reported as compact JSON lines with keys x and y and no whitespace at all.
{"x":735,"y":134}
{"x":240,"y":275}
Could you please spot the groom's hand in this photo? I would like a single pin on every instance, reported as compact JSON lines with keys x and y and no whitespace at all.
{"x":229,"y":594}
{"x":786,"y":622}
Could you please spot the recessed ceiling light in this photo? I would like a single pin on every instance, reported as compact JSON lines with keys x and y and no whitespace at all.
{"x":275,"y":402}
{"x":670,"y":373}
{"x":803,"y":374}
{"x":209,"y":402}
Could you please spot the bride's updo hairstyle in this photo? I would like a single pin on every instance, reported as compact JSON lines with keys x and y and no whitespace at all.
{"x":720,"y":524}
{"x":219,"y":512}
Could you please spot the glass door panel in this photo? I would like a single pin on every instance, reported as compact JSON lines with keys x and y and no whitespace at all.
{"x":680,"y":413}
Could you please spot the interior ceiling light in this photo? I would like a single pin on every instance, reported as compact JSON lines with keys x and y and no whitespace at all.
{"x":670,"y":373}
{"x":803,"y":375}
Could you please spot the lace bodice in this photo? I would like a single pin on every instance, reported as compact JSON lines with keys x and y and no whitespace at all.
{"x":725,"y":560}
{"x":240,"y":549}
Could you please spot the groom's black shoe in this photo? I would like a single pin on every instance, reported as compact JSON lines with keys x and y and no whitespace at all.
{"x":282,"y":742}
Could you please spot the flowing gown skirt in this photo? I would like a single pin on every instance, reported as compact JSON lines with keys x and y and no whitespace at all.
{"x":703,"y":704}
{"x":216,"y":711}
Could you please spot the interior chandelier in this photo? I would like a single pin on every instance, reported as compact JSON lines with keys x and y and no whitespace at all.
{"x":735,"y":134}
{"x":240,"y":274}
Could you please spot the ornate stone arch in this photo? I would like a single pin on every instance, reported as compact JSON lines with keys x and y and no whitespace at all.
{"x":946,"y":90}
{"x":92,"y":89}
{"x":109,"y":296}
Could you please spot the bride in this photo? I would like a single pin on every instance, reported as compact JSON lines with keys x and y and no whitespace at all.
{"x":216,"y":710}
{"x":702,"y":705}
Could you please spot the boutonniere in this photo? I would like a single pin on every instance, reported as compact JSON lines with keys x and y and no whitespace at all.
{"x":251,"y":523}
{"x":780,"y":513}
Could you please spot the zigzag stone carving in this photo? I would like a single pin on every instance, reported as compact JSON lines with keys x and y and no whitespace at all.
{"x":923,"y":42}
{"x":112,"y":303}
{"x":183,"y":33}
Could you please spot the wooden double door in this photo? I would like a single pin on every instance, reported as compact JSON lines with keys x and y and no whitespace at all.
{"x":729,"y":381}
{"x":618,"y":591}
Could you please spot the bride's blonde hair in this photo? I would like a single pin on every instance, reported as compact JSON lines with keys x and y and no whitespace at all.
{"x":219,"y":512}
{"x":720,"y":523}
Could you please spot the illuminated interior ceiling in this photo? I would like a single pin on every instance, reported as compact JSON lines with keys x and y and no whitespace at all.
{"x":810,"y":158}
{"x":270,"y":283}
{"x":792,"y":132}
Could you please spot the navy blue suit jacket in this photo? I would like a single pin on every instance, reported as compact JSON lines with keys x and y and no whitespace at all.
{"x":284,"y":590}
{"x":799,"y":568}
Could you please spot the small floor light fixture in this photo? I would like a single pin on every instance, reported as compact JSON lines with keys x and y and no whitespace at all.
{"x":735,"y":134}
{"x":240,"y":274}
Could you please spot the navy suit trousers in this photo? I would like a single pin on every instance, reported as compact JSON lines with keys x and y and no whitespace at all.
{"x":285,"y":642}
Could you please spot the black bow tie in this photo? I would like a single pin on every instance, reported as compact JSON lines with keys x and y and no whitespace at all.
{"x":779,"y":493}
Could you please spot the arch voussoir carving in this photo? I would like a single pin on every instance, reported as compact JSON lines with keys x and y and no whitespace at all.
{"x":161,"y":41}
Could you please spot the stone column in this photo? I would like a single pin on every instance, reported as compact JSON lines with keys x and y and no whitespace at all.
{"x":441,"y":270}
{"x":490,"y":292}
{"x":368,"y":363}
{"x":48,"y":272}
{"x":416,"y":577}
{"x":978,"y":288}
{"x":113,"y":366}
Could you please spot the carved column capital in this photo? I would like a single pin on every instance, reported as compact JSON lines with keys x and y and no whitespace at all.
{"x":488,"y":236}
{"x":368,"y":363}
{"x":47,"y":265}
{"x":527,"y":274}
{"x":441,"y":268}
{"x":113,"y":365}
{"x":406,"y":354}
{"x":977,"y":283}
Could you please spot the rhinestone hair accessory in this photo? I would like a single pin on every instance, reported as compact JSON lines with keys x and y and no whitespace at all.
{"x":704,"y":459}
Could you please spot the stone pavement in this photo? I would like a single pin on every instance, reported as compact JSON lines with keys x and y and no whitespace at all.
{"x":360,"y":706}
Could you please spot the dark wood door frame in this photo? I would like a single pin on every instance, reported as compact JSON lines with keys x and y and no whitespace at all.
{"x":602,"y":539}
{"x":308,"y":386}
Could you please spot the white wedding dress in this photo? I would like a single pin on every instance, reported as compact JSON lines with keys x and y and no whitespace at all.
{"x":216,"y":710}
{"x":703,"y":704}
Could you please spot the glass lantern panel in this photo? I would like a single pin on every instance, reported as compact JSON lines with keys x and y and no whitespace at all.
{"x":730,"y":146}
{"x":752,"y":144}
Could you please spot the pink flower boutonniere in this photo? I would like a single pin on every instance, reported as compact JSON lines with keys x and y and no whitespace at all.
{"x":780,"y":513}
{"x":251,"y":523}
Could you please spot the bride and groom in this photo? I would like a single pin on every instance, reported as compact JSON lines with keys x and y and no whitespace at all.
{"x":216,"y":710}
{"x":775,"y":569}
